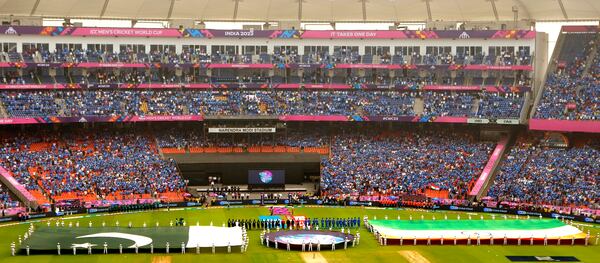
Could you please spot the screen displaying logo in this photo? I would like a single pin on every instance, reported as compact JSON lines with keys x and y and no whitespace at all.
{"x":266,"y":176}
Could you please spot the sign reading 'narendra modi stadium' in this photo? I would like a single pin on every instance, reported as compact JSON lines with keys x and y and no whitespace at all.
{"x":241,"y":130}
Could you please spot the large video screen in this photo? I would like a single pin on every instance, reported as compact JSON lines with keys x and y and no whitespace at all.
{"x":266,"y":177}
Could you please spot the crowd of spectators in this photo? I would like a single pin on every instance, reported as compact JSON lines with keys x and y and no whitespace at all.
{"x":6,"y":200}
{"x":189,"y":136}
{"x":96,"y":165}
{"x":111,"y":102}
{"x":535,"y":174}
{"x":500,"y":105}
{"x":384,"y":163}
{"x":106,"y":164}
{"x":458,"y":104}
{"x":572,"y":92}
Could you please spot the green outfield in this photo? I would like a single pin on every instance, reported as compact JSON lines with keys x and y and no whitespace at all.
{"x":368,"y":250}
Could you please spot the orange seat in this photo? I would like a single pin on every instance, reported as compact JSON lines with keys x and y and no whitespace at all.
{"x":210,"y":149}
{"x":224,"y":150}
{"x":292,"y":149}
{"x":173,"y":150}
{"x":196,"y":149}
{"x":254,"y":149}
{"x":279,"y":149}
{"x":39,"y":196}
{"x":238,"y":149}
{"x":266,"y":149}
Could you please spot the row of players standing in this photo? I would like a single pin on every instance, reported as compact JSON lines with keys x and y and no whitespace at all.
{"x":307,"y":223}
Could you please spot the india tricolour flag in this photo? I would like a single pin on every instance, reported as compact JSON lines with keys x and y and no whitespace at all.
{"x":485,"y":229}
{"x":47,"y":238}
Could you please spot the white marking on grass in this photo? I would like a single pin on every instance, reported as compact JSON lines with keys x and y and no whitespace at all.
{"x":313,"y":257}
{"x":413,"y":256}
{"x":72,"y":217}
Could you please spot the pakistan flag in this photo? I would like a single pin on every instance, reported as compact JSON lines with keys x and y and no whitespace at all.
{"x":47,"y":238}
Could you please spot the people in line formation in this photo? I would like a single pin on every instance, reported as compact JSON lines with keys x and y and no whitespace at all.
{"x":297,"y":224}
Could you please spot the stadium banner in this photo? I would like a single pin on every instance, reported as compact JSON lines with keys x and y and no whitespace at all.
{"x":154,"y":118}
{"x":376,"y":86}
{"x":121,"y":32}
{"x":491,"y":67}
{"x":251,"y":66}
{"x":285,"y":34}
{"x":397,"y":34}
{"x":241,"y":130}
{"x":8,"y":121}
{"x":314,"y":118}
{"x":105,"y":86}
{"x":21,"y":217}
{"x":47,"y":238}
{"x":506,"y":89}
{"x":564,"y":125}
{"x":29,"y":65}
{"x":400,"y":87}
{"x":310,"y":86}
{"x":451,"y":88}
{"x":240,"y":33}
{"x":151,"y":86}
{"x":448,"y":119}
{"x":116,"y":118}
{"x":286,"y":86}
{"x":105,"y":65}
{"x":508,"y":121}
{"x":390,"y":118}
{"x":478,"y":121}
{"x":327,"y":86}
{"x":240,"y":86}
{"x":370,"y":66}
{"x":496,"y":89}
{"x":304,"y":66}
{"x":361,"y":203}
{"x":31,"y":86}
{"x":198,"y":86}
{"x":352,"y":34}
{"x":175,"y":65}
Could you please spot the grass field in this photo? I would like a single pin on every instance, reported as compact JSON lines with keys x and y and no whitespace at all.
{"x":368,"y":250}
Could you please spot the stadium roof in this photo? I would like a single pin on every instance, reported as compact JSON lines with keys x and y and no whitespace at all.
{"x":308,"y":10}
